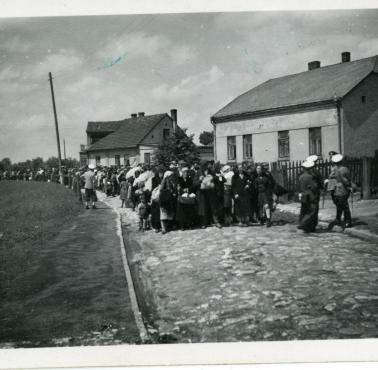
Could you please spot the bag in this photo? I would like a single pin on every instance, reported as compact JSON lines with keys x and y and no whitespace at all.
{"x":187,"y":200}
{"x":155,"y":193}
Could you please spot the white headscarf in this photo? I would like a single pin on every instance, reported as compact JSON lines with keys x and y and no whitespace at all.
{"x":167,"y":174}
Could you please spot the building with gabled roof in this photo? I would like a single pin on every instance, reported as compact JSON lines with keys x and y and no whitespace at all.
{"x":288,"y":118}
{"x":129,"y":141}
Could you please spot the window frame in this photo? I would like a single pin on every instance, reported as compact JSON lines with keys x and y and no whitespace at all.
{"x":315,"y":133}
{"x":98,"y":160}
{"x":283,"y":144}
{"x":247,"y":147}
{"x":117,"y":159}
{"x":233,"y":146}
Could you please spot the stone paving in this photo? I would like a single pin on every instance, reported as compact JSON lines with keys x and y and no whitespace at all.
{"x":254,"y":283}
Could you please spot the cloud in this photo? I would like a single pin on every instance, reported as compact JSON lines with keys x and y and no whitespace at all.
{"x":133,"y":46}
{"x":9,"y":73}
{"x":189,"y":86}
{"x":65,"y":60}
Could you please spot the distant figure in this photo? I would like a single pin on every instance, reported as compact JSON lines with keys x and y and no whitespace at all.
{"x":89,"y":186}
{"x":123,"y":190}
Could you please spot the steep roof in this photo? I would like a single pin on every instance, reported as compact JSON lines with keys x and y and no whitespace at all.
{"x":109,"y":126}
{"x":314,"y":86}
{"x":129,"y":134}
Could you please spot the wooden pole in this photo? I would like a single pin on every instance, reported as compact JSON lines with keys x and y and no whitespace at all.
{"x":64,"y":147}
{"x":56,"y":129}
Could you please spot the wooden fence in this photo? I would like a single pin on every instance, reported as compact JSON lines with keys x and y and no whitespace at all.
{"x":287,"y":173}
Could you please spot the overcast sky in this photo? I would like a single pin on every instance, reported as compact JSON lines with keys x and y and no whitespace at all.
{"x":106,"y":68}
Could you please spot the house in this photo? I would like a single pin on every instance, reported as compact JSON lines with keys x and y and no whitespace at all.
{"x":129,"y":141}
{"x":288,"y":118}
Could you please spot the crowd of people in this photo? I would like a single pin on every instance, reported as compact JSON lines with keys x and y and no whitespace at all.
{"x":186,"y":197}
{"x":180,"y":196}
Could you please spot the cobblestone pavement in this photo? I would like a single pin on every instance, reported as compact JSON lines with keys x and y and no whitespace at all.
{"x":74,"y":291}
{"x":254,"y":283}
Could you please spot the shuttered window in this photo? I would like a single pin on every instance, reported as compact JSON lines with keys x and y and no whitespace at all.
{"x":247,"y":146}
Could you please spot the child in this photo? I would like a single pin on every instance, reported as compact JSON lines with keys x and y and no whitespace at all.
{"x":144,"y":212}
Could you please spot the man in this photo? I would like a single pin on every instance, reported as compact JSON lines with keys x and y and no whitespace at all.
{"x":89,"y":186}
{"x":309,"y":190}
{"x":340,"y":177}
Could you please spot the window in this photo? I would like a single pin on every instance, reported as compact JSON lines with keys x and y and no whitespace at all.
{"x":126,"y":160}
{"x":147,"y":158}
{"x":98,"y":160}
{"x":283,"y":144}
{"x":315,"y":145}
{"x":247,"y":146}
{"x":363,"y":99}
{"x":117,"y":160}
{"x":166,"y":133}
{"x":231,"y":148}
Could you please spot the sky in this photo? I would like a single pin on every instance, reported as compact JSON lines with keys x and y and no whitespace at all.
{"x":107,"y":67}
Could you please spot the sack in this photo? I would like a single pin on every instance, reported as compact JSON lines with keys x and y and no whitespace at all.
{"x":155,"y":193}
{"x":187,"y":200}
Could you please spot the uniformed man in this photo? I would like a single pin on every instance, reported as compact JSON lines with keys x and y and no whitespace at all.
{"x":342,"y":187}
{"x":317,"y":176}
{"x":308,"y":196}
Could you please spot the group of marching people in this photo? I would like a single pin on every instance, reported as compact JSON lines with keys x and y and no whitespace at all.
{"x":311,"y":185}
{"x":201,"y":195}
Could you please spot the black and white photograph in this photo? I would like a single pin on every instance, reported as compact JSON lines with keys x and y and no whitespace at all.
{"x":188,"y":178}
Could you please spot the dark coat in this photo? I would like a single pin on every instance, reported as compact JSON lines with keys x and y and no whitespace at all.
{"x":241,"y":192}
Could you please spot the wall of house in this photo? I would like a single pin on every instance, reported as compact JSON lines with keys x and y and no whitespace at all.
{"x":146,"y":149}
{"x":155,"y":137}
{"x":108,"y":156}
{"x":264,"y":132}
{"x":360,"y":120}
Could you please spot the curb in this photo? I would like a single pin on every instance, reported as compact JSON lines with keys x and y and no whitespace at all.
{"x":144,"y":336}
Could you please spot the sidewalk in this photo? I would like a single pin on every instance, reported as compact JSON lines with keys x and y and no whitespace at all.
{"x":364,"y":215}
{"x":253,"y":283}
{"x":74,"y":291}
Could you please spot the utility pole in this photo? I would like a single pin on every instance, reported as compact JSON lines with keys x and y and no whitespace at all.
{"x":56,"y":129}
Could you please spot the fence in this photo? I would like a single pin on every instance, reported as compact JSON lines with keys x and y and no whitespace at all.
{"x":363,"y":173}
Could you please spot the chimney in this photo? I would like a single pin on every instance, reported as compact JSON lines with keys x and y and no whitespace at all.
{"x":345,"y":56}
{"x":313,"y":65}
{"x":174,"y":118}
{"x":140,"y":114}
{"x":134,"y":115}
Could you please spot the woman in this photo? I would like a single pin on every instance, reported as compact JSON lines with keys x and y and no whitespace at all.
{"x":155,"y":206}
{"x":227,"y":200}
{"x":241,"y":191}
{"x":265,"y":185}
{"x":206,"y":198}
{"x":167,"y":199}
{"x":185,"y":214}
{"x":219,"y":183}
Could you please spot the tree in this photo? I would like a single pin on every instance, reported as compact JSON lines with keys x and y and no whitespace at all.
{"x":52,"y":162}
{"x":37,"y":163}
{"x":176,"y":147}
{"x":5,"y":164}
{"x":206,"y":137}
